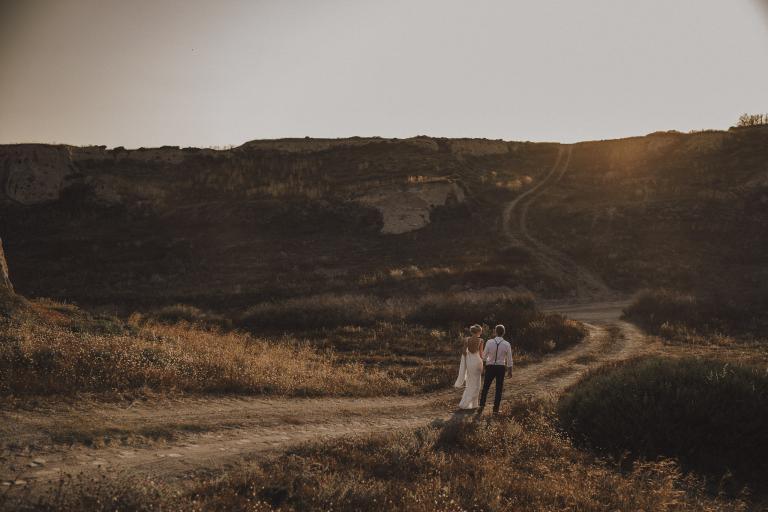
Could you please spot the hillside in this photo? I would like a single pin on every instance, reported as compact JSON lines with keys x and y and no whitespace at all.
{"x":266,"y":219}
{"x":282,"y":218}
{"x":675,"y":210}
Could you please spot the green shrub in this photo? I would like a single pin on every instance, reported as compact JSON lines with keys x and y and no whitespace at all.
{"x":710,"y":415}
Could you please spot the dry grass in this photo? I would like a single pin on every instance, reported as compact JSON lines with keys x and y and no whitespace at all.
{"x":450,"y":467}
{"x":346,"y":345}
{"x":458,"y":466}
{"x":48,"y":358}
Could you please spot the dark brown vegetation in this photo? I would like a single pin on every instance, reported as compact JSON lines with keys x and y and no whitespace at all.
{"x":687,"y":316}
{"x":531,"y":330}
{"x":453,"y":466}
{"x":710,"y":415}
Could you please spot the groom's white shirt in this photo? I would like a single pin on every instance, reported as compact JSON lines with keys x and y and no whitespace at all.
{"x":498,"y":351}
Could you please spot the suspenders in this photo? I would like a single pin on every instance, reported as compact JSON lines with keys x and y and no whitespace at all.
{"x":496,"y":357}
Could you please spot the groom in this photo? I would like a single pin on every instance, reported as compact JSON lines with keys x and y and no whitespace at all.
{"x":498,"y":361}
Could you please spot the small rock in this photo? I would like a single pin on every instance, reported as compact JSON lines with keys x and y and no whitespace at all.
{"x":39,"y":461}
{"x":174,"y":455}
{"x":20,"y":482}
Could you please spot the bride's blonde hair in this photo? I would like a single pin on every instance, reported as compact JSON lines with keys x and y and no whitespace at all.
{"x":475,"y":329}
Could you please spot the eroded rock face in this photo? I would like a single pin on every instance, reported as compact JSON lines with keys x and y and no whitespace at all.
{"x":35,"y":173}
{"x":5,"y":283}
{"x":408,"y":208}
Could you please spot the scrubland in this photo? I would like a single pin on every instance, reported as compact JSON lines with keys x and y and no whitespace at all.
{"x":326,"y":345}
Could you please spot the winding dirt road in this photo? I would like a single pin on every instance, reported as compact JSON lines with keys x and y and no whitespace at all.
{"x":589,"y":287}
{"x":205,"y":435}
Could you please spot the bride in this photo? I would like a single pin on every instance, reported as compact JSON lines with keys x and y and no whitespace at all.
{"x":471,"y":369}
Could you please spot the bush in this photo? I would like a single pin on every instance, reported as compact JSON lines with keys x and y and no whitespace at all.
{"x":549,"y":332}
{"x":179,"y":312}
{"x":437,"y":310}
{"x":317,"y":312}
{"x":666,"y":312}
{"x":653,"y":308}
{"x":708,"y":414}
{"x":190,"y":314}
{"x":528,"y":329}
{"x":462,"y":309}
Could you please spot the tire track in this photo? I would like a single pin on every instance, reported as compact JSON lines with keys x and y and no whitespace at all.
{"x":515,"y":229}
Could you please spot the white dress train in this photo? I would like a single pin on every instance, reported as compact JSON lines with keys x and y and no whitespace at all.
{"x":470,"y":375}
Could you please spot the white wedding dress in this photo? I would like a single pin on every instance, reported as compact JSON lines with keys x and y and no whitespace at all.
{"x":471,"y":374}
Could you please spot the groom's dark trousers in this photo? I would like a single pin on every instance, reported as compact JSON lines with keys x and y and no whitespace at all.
{"x":493,"y":372}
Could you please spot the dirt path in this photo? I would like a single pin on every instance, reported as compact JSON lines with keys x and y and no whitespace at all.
{"x":175,"y":439}
{"x":208,"y":434}
{"x":589,"y":287}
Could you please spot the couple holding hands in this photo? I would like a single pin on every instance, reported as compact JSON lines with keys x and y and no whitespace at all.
{"x":492,"y":358}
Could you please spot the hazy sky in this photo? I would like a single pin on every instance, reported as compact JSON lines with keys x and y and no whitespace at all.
{"x":192,"y":72}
